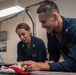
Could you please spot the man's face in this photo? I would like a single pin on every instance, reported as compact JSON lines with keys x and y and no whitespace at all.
{"x":24,"y":35}
{"x":48,"y":22}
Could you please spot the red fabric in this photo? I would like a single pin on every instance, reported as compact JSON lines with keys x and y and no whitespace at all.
{"x":19,"y":70}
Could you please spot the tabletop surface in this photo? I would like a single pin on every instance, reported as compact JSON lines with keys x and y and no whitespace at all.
{"x":50,"y":73}
{"x":42,"y":73}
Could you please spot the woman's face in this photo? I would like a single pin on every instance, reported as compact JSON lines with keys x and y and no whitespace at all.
{"x":24,"y":35}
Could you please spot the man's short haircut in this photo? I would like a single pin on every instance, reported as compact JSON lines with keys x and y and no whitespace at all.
{"x":47,"y":6}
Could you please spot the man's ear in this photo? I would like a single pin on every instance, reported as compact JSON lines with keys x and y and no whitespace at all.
{"x":55,"y":15}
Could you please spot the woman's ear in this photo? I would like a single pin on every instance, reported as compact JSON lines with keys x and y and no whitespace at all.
{"x":30,"y":31}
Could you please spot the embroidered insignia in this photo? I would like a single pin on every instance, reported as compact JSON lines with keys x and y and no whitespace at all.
{"x":34,"y":55}
{"x":33,"y":45}
{"x":23,"y":45}
{"x":66,"y":30}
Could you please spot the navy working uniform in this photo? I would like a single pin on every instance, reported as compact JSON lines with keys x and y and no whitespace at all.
{"x":67,"y":47}
{"x":36,"y":52}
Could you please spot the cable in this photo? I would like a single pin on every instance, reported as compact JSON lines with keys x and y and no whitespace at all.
{"x":33,"y":24}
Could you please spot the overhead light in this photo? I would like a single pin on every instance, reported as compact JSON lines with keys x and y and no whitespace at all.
{"x":11,"y":10}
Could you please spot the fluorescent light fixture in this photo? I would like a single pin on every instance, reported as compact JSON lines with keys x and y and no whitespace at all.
{"x":11,"y":10}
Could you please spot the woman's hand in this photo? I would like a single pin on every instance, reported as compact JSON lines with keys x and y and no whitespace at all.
{"x":36,"y":66}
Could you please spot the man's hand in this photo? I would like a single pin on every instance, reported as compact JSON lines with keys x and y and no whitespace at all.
{"x":36,"y":66}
